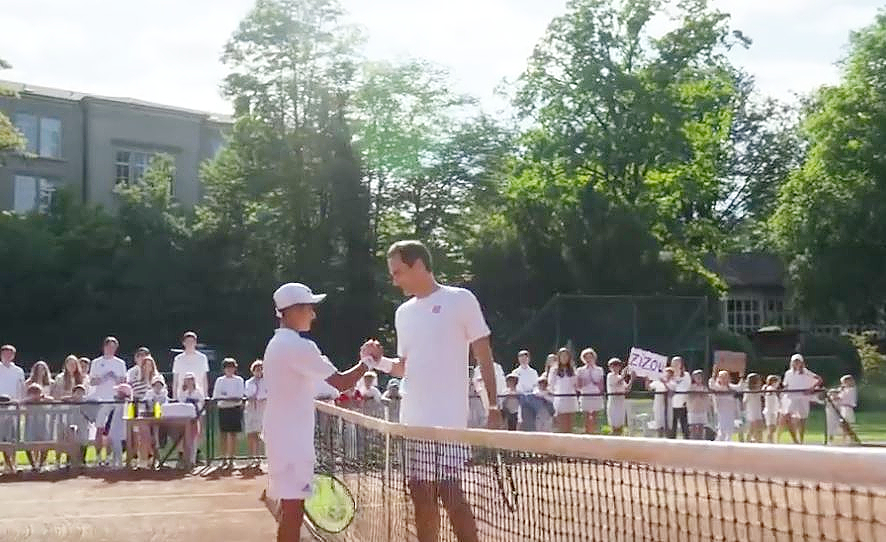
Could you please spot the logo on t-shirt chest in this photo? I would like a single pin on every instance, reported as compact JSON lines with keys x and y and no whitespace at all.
{"x":436,"y":309}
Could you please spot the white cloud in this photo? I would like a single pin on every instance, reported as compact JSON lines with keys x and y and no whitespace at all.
{"x":168,"y":50}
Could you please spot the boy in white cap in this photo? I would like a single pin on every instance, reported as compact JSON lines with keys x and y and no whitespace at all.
{"x":294,"y":367}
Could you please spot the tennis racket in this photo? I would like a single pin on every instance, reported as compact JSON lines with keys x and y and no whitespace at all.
{"x":505,"y":478}
{"x":331,"y":507}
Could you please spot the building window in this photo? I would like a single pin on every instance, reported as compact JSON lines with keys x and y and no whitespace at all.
{"x":743,"y":315}
{"x":33,"y":194}
{"x":130,"y":166}
{"x":777,"y":314}
{"x":43,"y":135}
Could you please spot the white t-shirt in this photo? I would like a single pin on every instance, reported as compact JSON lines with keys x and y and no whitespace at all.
{"x":799,"y":381}
{"x":12,"y":381}
{"x":196,"y":363}
{"x":257,"y":388}
{"x":434,"y":334}
{"x":294,"y":369}
{"x":500,"y":383}
{"x":229,"y":391}
{"x":101,"y":368}
{"x":680,"y":384}
{"x":527,"y":378}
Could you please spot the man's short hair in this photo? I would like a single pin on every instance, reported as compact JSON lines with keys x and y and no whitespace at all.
{"x":7,"y":348}
{"x":110,"y":339}
{"x":411,"y":251}
{"x":189,"y":335}
{"x":229,"y":362}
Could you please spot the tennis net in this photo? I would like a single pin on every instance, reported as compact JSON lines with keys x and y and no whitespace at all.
{"x":546,"y":487}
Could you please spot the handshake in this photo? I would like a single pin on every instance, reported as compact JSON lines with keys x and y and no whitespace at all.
{"x":372,"y":355}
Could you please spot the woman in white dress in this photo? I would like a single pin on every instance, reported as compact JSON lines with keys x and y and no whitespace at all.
{"x":753,"y":407}
{"x":799,"y":383}
{"x":618,"y":381}
{"x":564,"y":384}
{"x":771,"y":406}
{"x":724,"y":401}
{"x":591,"y":382}
{"x":662,"y":389}
{"x":698,"y":406}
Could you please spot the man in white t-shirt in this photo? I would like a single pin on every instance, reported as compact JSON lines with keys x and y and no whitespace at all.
{"x":527,"y":377}
{"x":106,"y":371}
{"x":294,"y":369}
{"x":799,"y":382}
{"x":435,"y":329}
{"x":12,"y":385}
{"x":190,"y":361}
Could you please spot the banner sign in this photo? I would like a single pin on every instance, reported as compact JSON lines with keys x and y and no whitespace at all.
{"x":646,"y":364}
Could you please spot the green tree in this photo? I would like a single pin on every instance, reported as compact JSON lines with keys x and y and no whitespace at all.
{"x":286,"y":199}
{"x":642,"y":118}
{"x":830,"y":221}
{"x":10,"y":139}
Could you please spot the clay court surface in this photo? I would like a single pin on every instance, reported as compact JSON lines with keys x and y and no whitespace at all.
{"x":143,"y":506}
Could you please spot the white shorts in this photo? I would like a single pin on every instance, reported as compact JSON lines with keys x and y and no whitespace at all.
{"x":290,"y":481}
{"x":435,"y":461}
{"x":771,"y":417}
{"x":253,"y":416}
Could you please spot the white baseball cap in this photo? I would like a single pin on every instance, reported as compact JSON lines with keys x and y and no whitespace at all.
{"x":295,"y":293}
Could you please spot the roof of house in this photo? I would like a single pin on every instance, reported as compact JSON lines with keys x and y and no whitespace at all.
{"x":749,"y":269}
{"x":70,"y":95}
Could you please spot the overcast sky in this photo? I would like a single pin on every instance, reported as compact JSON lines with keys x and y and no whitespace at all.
{"x":167,"y":51}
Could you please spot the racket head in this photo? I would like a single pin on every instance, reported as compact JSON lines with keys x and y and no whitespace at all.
{"x":331,"y":507}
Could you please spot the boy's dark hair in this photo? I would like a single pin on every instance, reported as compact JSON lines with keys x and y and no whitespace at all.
{"x":229,"y":362}
{"x":8,"y":347}
{"x":189,"y":335}
{"x":411,"y":251}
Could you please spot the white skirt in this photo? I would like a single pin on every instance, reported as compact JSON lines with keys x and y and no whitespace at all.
{"x":290,"y":480}
{"x":848,"y":413}
{"x":798,"y":406}
{"x":616,"y":414}
{"x":592,"y":404}
{"x":770,"y":417}
{"x":565,"y":405}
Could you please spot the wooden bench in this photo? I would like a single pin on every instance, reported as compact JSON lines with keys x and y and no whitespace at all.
{"x":68,"y":445}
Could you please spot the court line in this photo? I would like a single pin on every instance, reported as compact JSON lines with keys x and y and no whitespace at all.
{"x":129,"y":497}
{"x":140,"y":514}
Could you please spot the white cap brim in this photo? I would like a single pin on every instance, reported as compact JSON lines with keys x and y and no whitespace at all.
{"x":315,"y":299}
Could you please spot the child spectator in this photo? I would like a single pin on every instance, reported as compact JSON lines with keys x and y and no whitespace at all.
{"x":136,"y":376}
{"x":832,"y":414}
{"x":256,"y":398}
{"x":114,"y":426}
{"x":36,"y":422}
{"x":617,"y":384}
{"x":85,"y":364}
{"x":191,"y":393}
{"x":228,"y":391}
{"x":391,"y":399}
{"x":77,"y":419}
{"x":847,"y":401}
{"x":753,"y":407}
{"x":564,"y":384}
{"x":662,"y":390}
{"x":544,"y":415}
{"x":725,"y":403}
{"x":510,"y":408}
{"x":590,"y":384}
{"x":157,"y":394}
{"x":70,"y":376}
{"x":40,"y":376}
{"x":771,"y":406}
{"x":368,"y":388}
{"x":698,"y":406}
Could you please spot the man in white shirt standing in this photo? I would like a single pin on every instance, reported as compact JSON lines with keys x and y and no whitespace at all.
{"x":799,"y":384}
{"x":190,"y":361}
{"x":12,"y":385}
{"x":527,"y":379}
{"x":435,"y":329}
{"x":294,"y":368}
